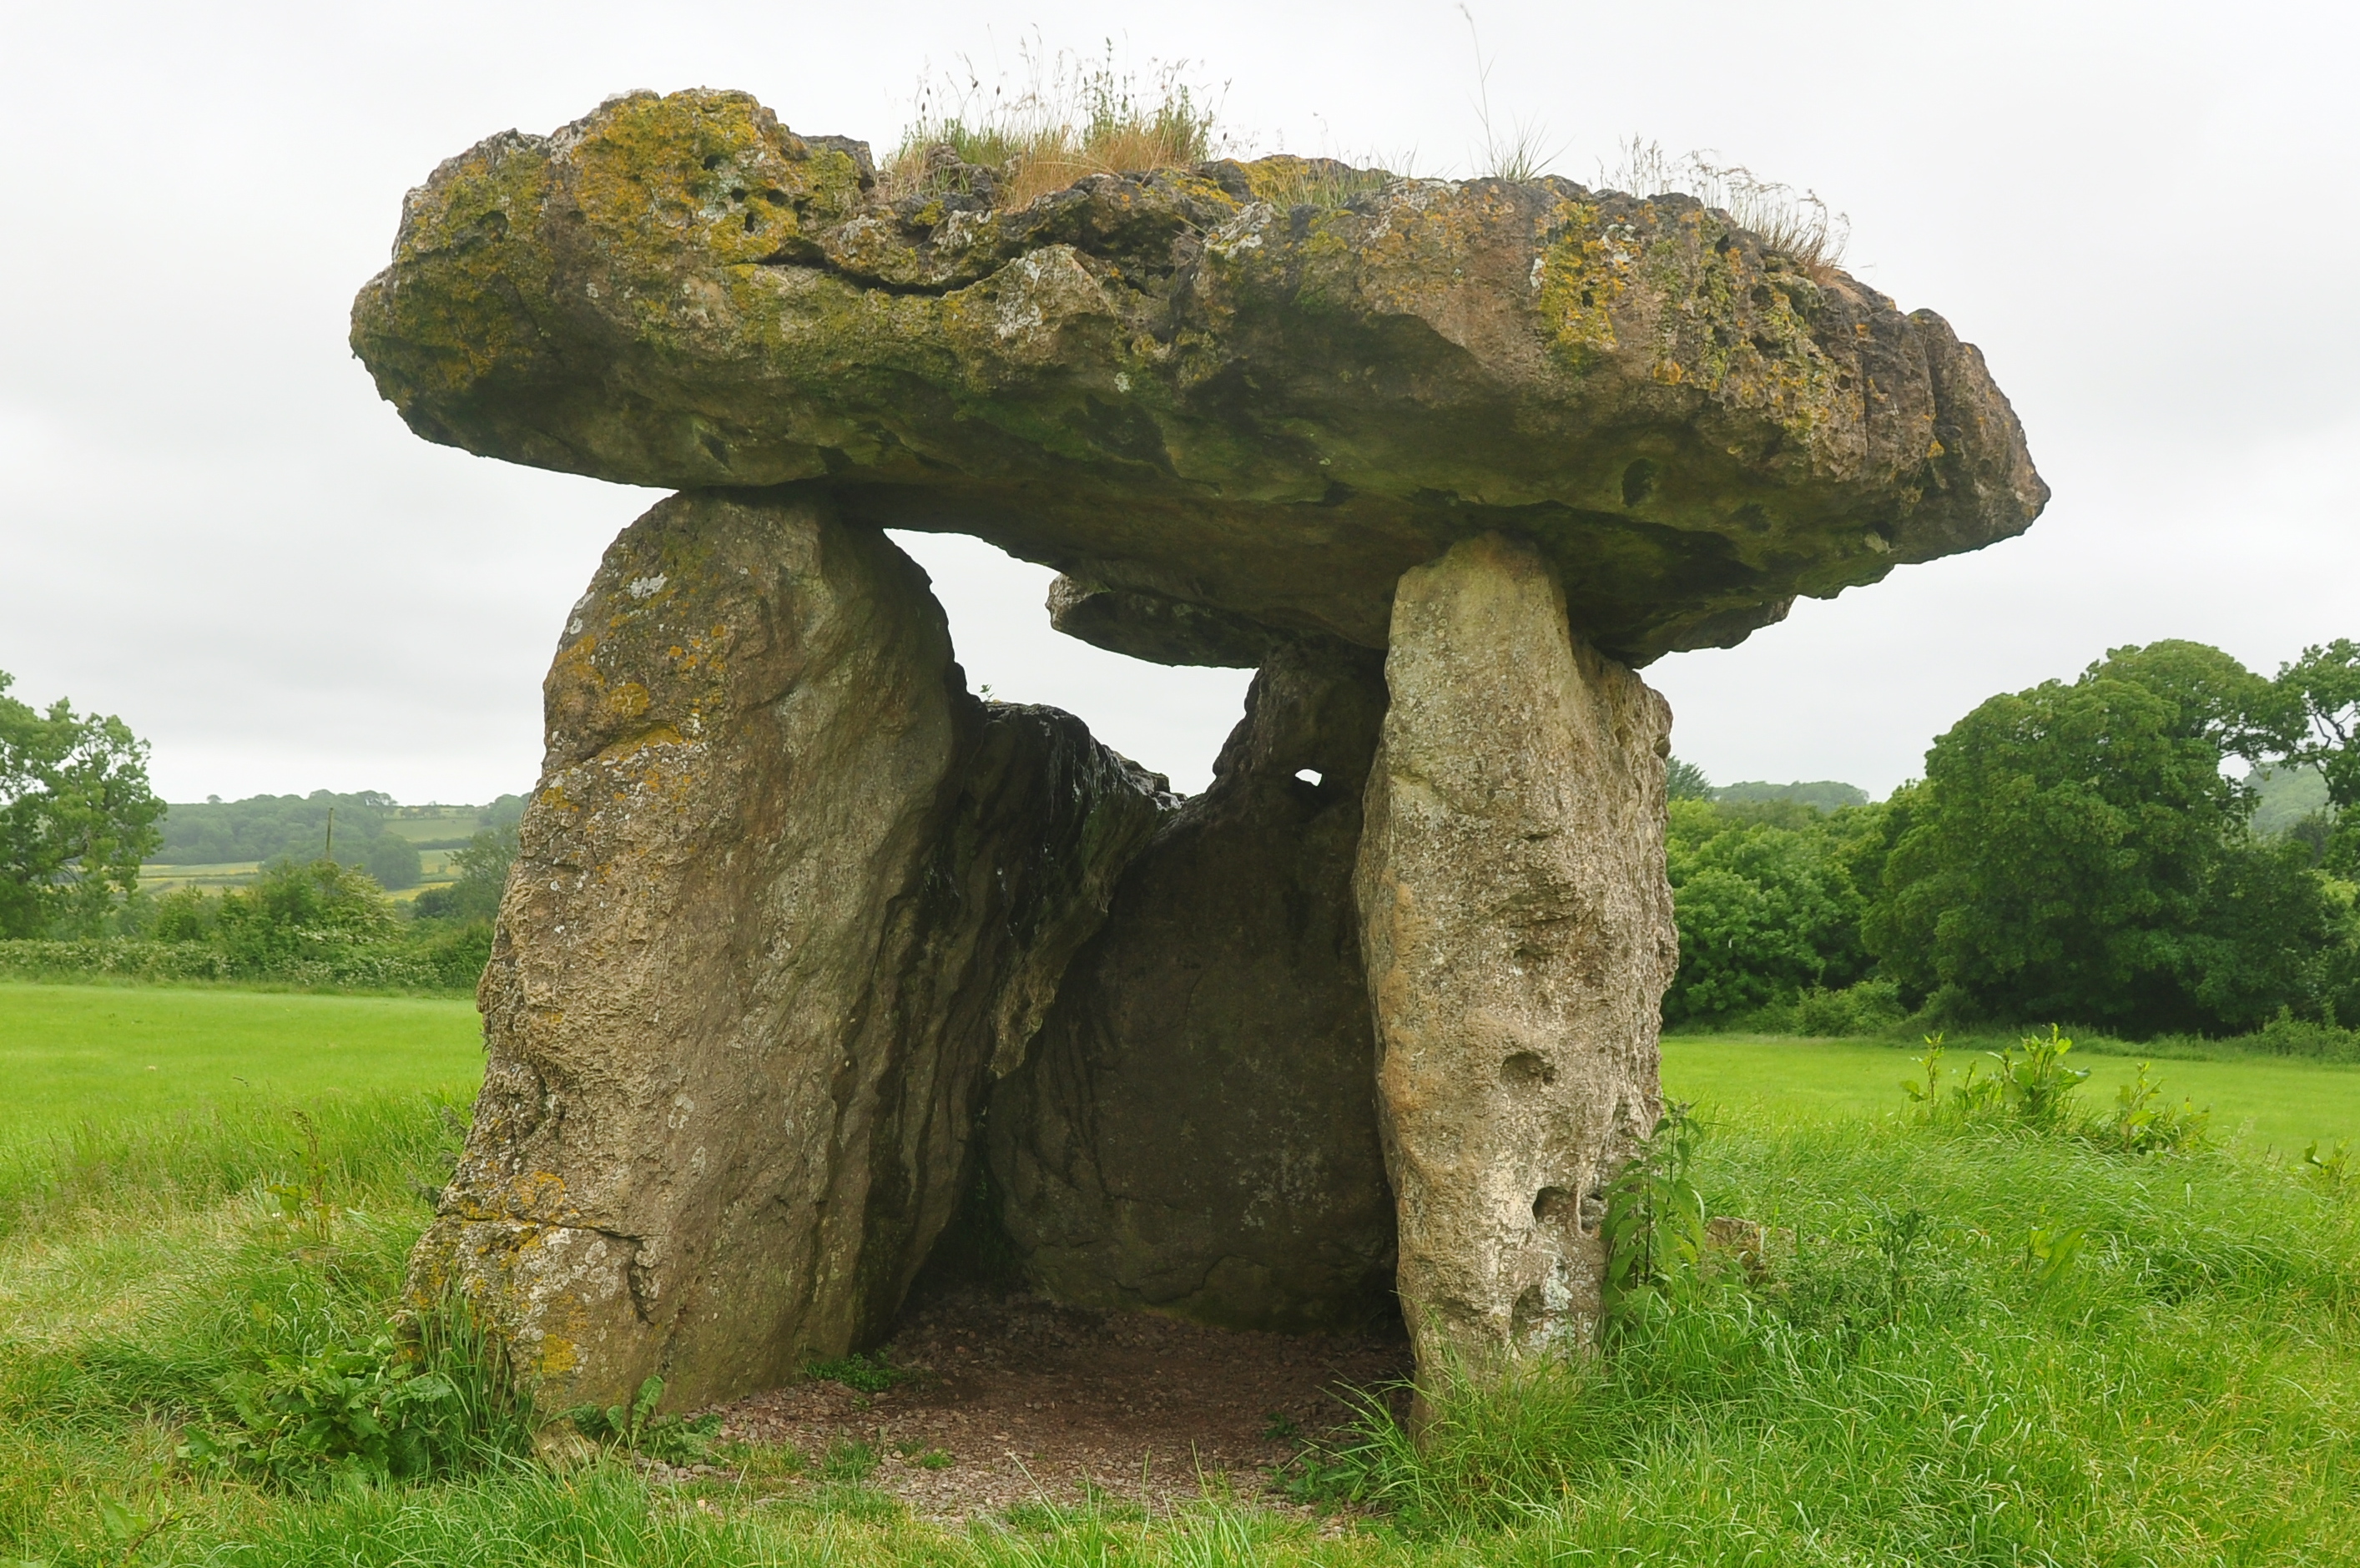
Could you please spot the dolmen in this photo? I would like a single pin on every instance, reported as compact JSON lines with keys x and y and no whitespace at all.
{"x":815,"y":970}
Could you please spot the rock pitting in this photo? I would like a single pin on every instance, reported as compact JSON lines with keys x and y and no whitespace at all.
{"x":799,"y":927}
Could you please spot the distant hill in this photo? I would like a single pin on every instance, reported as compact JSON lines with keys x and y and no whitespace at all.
{"x":2289,"y":795}
{"x":263,"y":827}
{"x":1826,"y":794}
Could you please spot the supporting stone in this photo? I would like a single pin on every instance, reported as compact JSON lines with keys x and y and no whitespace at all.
{"x":1197,"y":1130}
{"x":1518,"y":933}
{"x":783,"y":894}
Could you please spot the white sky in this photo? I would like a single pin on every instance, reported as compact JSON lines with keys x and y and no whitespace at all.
{"x":2145,"y":214}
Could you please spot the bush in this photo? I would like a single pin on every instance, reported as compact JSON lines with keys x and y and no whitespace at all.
{"x":320,"y":926}
{"x":1870,"y":1008}
{"x":2287,"y":1035}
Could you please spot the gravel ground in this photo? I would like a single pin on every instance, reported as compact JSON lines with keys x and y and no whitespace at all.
{"x":1014,"y":1399}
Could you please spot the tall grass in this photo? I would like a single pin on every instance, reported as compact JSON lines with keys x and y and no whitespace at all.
{"x":1914,"y":1387}
{"x":373,"y":1150}
{"x":1071,"y":118}
{"x":1906,"y":1381}
{"x":1516,"y":150}
{"x":1796,"y":224}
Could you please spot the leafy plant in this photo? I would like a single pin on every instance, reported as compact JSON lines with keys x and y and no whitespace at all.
{"x":864,"y":1372}
{"x":1654,"y":1229}
{"x":435,"y":1403}
{"x":2049,"y":1255}
{"x":2145,"y":1124}
{"x":2332,"y":1171}
{"x":637,"y":1429}
{"x":2032,"y":1087}
{"x":2034,"y":1084}
{"x":304,"y":1205}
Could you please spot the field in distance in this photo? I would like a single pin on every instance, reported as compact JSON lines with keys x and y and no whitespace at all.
{"x":105,"y":1053}
{"x":435,"y":869}
{"x":75,"y":1051}
{"x":2261,"y":1102}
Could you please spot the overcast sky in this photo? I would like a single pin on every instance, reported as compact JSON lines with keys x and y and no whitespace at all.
{"x":2145,"y":214}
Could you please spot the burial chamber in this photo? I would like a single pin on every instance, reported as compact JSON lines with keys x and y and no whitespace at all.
{"x":811,"y":957}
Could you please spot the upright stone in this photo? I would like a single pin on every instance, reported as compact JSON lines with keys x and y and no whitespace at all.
{"x":782,"y":893}
{"x":1197,"y":1130}
{"x":1518,"y":933}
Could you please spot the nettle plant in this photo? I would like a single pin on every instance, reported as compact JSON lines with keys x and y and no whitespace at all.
{"x":2031,"y":1087}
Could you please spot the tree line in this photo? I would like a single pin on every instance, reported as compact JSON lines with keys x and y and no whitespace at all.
{"x":354,"y":830}
{"x":77,"y":818}
{"x":2074,"y":852}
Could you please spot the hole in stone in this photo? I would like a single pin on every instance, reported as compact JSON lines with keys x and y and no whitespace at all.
{"x":1554,"y":1207}
{"x":1525,"y":1069}
{"x":750,"y":222}
{"x":1530,"y":1313}
{"x":1311,"y":775}
{"x":1638,"y":481}
{"x":775,"y":197}
{"x":738,"y":193}
{"x":715,"y":160}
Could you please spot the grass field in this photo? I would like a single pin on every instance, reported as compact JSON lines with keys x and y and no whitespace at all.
{"x":2261,"y":1103}
{"x":1925,"y":1376}
{"x":69,"y":1052}
{"x":434,"y":865}
{"x":76,"y":1051}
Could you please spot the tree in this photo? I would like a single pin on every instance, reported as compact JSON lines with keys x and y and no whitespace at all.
{"x":482,"y":877}
{"x":2074,"y":852}
{"x":393,"y":861}
{"x":294,"y":909}
{"x":1767,"y":906}
{"x":76,"y":816}
{"x":1686,"y":781}
{"x":2319,"y":706}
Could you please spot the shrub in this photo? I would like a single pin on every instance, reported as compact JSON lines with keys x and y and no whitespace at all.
{"x":1873,"y":1007}
{"x":1767,"y":896}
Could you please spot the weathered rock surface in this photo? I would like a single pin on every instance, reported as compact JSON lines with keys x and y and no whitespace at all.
{"x":1197,"y":1130}
{"x":784,"y":893}
{"x":1518,"y":933}
{"x":1230,"y":388}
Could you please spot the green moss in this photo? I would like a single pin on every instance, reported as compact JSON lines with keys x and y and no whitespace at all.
{"x":1584,"y":271}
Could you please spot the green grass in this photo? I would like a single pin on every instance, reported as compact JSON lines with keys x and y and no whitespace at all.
{"x":2187,"y":1391}
{"x":71,"y":1052}
{"x":2265,"y":1103}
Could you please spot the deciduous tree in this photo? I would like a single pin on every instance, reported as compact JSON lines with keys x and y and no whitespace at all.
{"x":76,"y":816}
